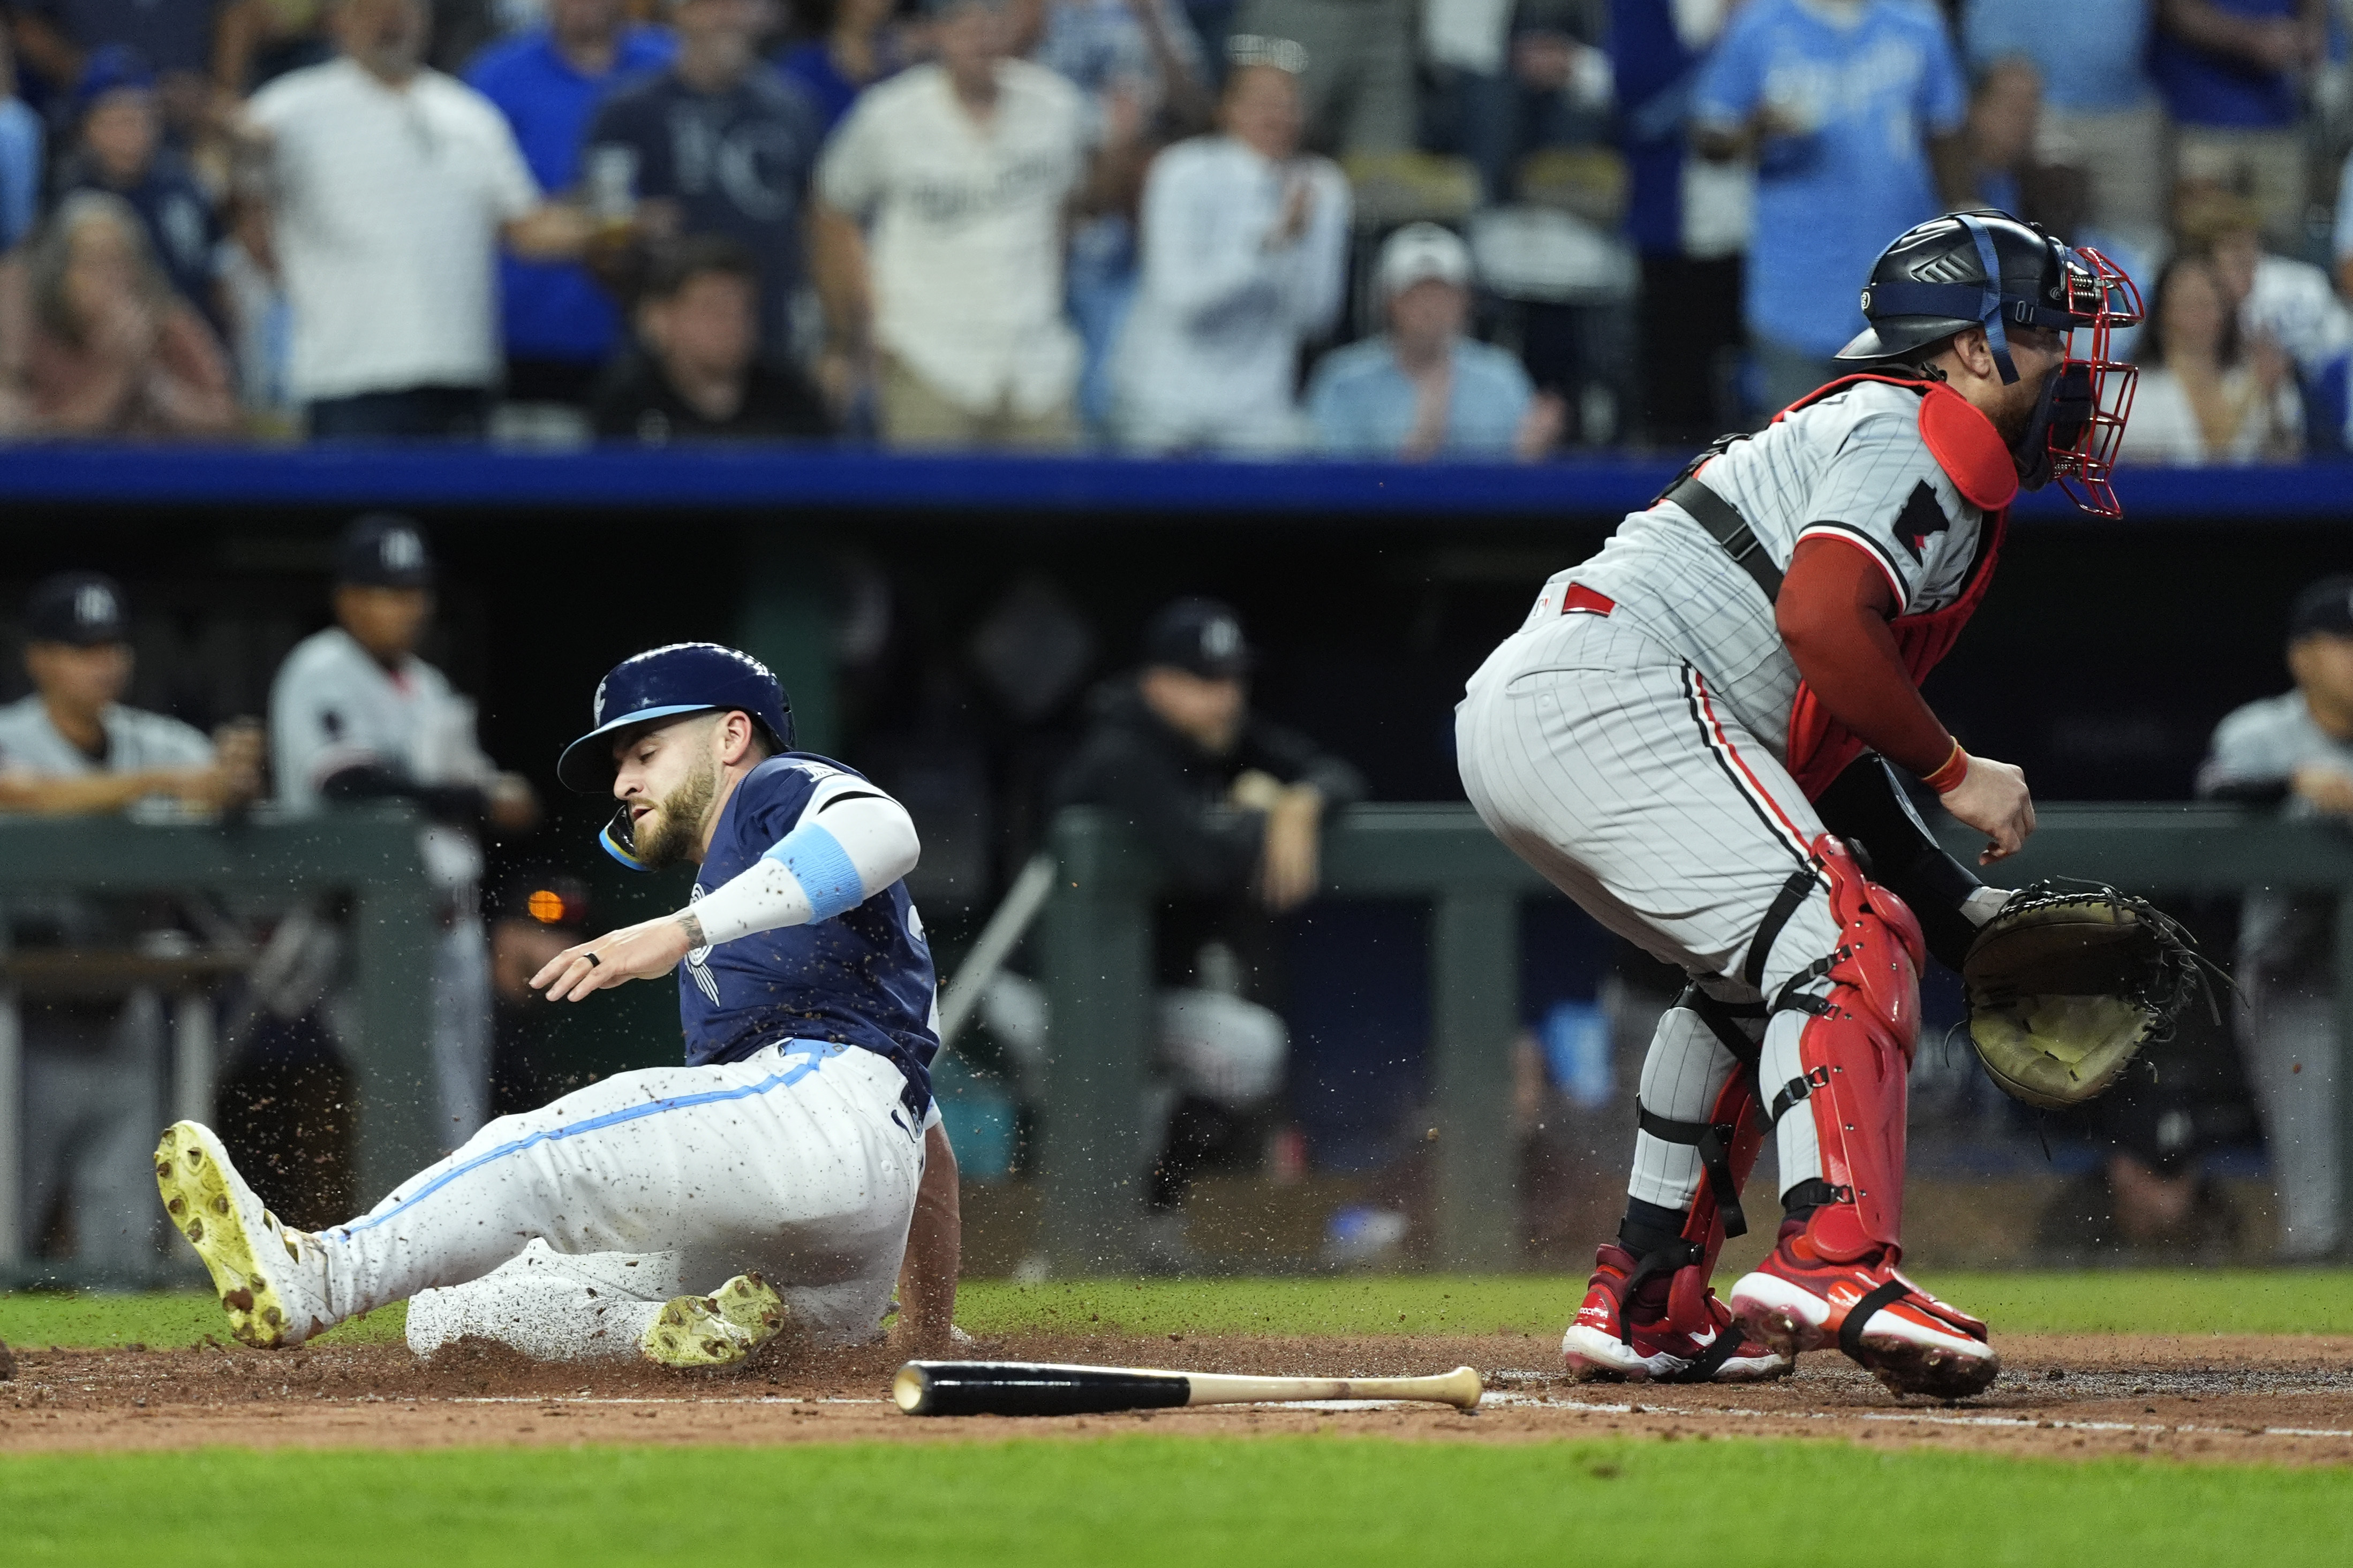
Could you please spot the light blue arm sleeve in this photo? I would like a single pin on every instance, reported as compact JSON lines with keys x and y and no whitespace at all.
{"x":823,"y":868}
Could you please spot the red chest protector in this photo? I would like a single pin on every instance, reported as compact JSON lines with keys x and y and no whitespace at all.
{"x":1971,"y":451}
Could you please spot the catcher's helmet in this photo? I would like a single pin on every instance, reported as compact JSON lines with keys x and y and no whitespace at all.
{"x":1989,"y":269}
{"x":669,"y":683}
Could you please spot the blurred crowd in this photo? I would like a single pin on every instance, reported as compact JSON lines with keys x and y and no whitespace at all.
{"x":1376,"y":228}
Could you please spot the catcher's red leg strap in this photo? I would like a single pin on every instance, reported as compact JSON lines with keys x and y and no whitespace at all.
{"x":1856,"y":1051}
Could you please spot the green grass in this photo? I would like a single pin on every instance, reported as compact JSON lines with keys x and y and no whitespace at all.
{"x":1146,"y":1501}
{"x":161,"y":1319}
{"x":2238,"y":1302}
{"x":2248,"y":1301}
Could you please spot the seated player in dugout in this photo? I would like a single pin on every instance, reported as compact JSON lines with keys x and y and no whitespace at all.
{"x":1233,"y":806}
{"x":1692,"y":735}
{"x":783,"y":1174}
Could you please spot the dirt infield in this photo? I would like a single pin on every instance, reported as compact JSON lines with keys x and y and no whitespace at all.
{"x":2249,"y":1400}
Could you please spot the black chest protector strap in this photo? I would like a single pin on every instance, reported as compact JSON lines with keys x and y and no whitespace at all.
{"x":1724,"y":524}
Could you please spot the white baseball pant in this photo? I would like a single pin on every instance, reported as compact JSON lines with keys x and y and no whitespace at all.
{"x":1608,"y":764}
{"x":562,"y":1231}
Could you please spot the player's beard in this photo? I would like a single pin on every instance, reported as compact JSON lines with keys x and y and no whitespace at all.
{"x":668,"y":835}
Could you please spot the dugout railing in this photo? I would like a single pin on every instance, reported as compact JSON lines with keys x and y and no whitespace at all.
{"x":369,"y":855}
{"x":1094,"y":948}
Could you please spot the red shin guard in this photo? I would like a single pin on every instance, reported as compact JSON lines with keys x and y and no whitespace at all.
{"x":1856,"y":1050}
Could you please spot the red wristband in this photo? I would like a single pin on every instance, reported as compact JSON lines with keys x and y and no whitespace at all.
{"x":1949,"y":773}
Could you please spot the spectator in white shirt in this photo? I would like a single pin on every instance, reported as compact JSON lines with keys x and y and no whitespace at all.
{"x":2208,"y":395}
{"x":1245,"y":259}
{"x":389,"y":186}
{"x":948,"y":299}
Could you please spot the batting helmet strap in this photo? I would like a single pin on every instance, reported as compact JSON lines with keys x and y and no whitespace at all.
{"x":671,"y":683}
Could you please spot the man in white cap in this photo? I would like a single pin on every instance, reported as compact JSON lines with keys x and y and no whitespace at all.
{"x":1425,"y":388}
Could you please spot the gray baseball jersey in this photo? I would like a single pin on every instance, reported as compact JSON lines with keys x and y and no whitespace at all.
{"x":135,"y":741}
{"x":334,"y":707}
{"x":2286,"y":934}
{"x":1854,"y":467}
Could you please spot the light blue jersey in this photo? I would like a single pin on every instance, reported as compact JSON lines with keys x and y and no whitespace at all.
{"x":1868,"y":85}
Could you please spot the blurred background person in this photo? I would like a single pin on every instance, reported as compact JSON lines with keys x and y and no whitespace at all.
{"x":95,"y":342}
{"x":2100,"y":111}
{"x":1245,"y":243}
{"x":355,"y":715}
{"x":2005,"y":108}
{"x":257,"y":41}
{"x":694,"y":372}
{"x":2277,"y":300}
{"x":558,"y":326}
{"x":720,"y":143}
{"x":2232,"y":74}
{"x":177,"y":38}
{"x":1354,"y":60}
{"x":940,"y":233}
{"x":1141,"y":66}
{"x":120,"y":149}
{"x":1233,"y":806}
{"x":1688,"y":219}
{"x":2206,"y":393}
{"x":91,"y":1071}
{"x":1426,"y":388}
{"x":1515,"y":76}
{"x":388,"y":188}
{"x":858,"y":44}
{"x":2295,"y":751}
{"x":22,"y":146}
{"x":1853,"y":109}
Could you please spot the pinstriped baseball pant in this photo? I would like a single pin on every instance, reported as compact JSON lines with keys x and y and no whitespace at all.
{"x":1607,"y":763}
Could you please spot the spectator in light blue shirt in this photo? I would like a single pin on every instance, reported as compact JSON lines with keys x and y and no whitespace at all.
{"x":1424,"y":389}
{"x":1843,"y":103}
{"x":20,"y":153}
{"x":560,"y":326}
{"x":2100,"y":112}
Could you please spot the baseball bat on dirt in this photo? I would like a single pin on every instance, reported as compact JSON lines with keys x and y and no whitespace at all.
{"x":1032,"y":1388}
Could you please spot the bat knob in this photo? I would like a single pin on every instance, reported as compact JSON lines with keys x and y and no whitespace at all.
{"x":912,"y":1389}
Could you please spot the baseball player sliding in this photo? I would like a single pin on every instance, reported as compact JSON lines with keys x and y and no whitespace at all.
{"x":790,"y":1157}
{"x":1685,"y":736}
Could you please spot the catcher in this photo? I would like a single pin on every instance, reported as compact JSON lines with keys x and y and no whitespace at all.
{"x":1691,"y":735}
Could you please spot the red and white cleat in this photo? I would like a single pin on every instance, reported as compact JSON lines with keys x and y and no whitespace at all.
{"x":1796,"y":1301}
{"x":1675,"y":1331}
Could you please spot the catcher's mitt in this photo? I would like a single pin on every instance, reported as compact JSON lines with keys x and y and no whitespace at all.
{"x":2067,"y":982}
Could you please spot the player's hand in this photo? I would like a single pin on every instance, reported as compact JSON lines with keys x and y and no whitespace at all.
{"x":646,"y":951}
{"x":1293,"y":852}
{"x":1992,"y":797}
{"x":512,"y":804}
{"x":2327,"y":786}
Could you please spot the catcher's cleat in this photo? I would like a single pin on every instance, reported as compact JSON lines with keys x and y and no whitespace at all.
{"x":1673,"y":1331}
{"x":718,"y":1329}
{"x":1797,"y":1300}
{"x":265,"y":1275}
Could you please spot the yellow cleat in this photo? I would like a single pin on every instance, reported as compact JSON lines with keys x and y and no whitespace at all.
{"x":257,"y":1263}
{"x":718,"y":1329}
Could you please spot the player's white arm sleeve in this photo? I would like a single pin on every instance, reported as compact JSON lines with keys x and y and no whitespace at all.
{"x":852,"y":842}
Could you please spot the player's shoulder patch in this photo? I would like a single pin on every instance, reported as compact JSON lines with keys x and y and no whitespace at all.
{"x":1968,"y":448}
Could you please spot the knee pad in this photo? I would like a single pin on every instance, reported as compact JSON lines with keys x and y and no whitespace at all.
{"x":1856,"y":1050}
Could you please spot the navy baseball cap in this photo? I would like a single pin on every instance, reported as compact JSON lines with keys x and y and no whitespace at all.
{"x":2326,"y":607}
{"x":671,"y":683}
{"x":115,"y":67}
{"x":383,"y":549}
{"x":84,"y":608}
{"x":1203,"y":636}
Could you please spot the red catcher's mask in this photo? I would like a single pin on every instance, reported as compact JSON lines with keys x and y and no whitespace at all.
{"x":2085,"y":407}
